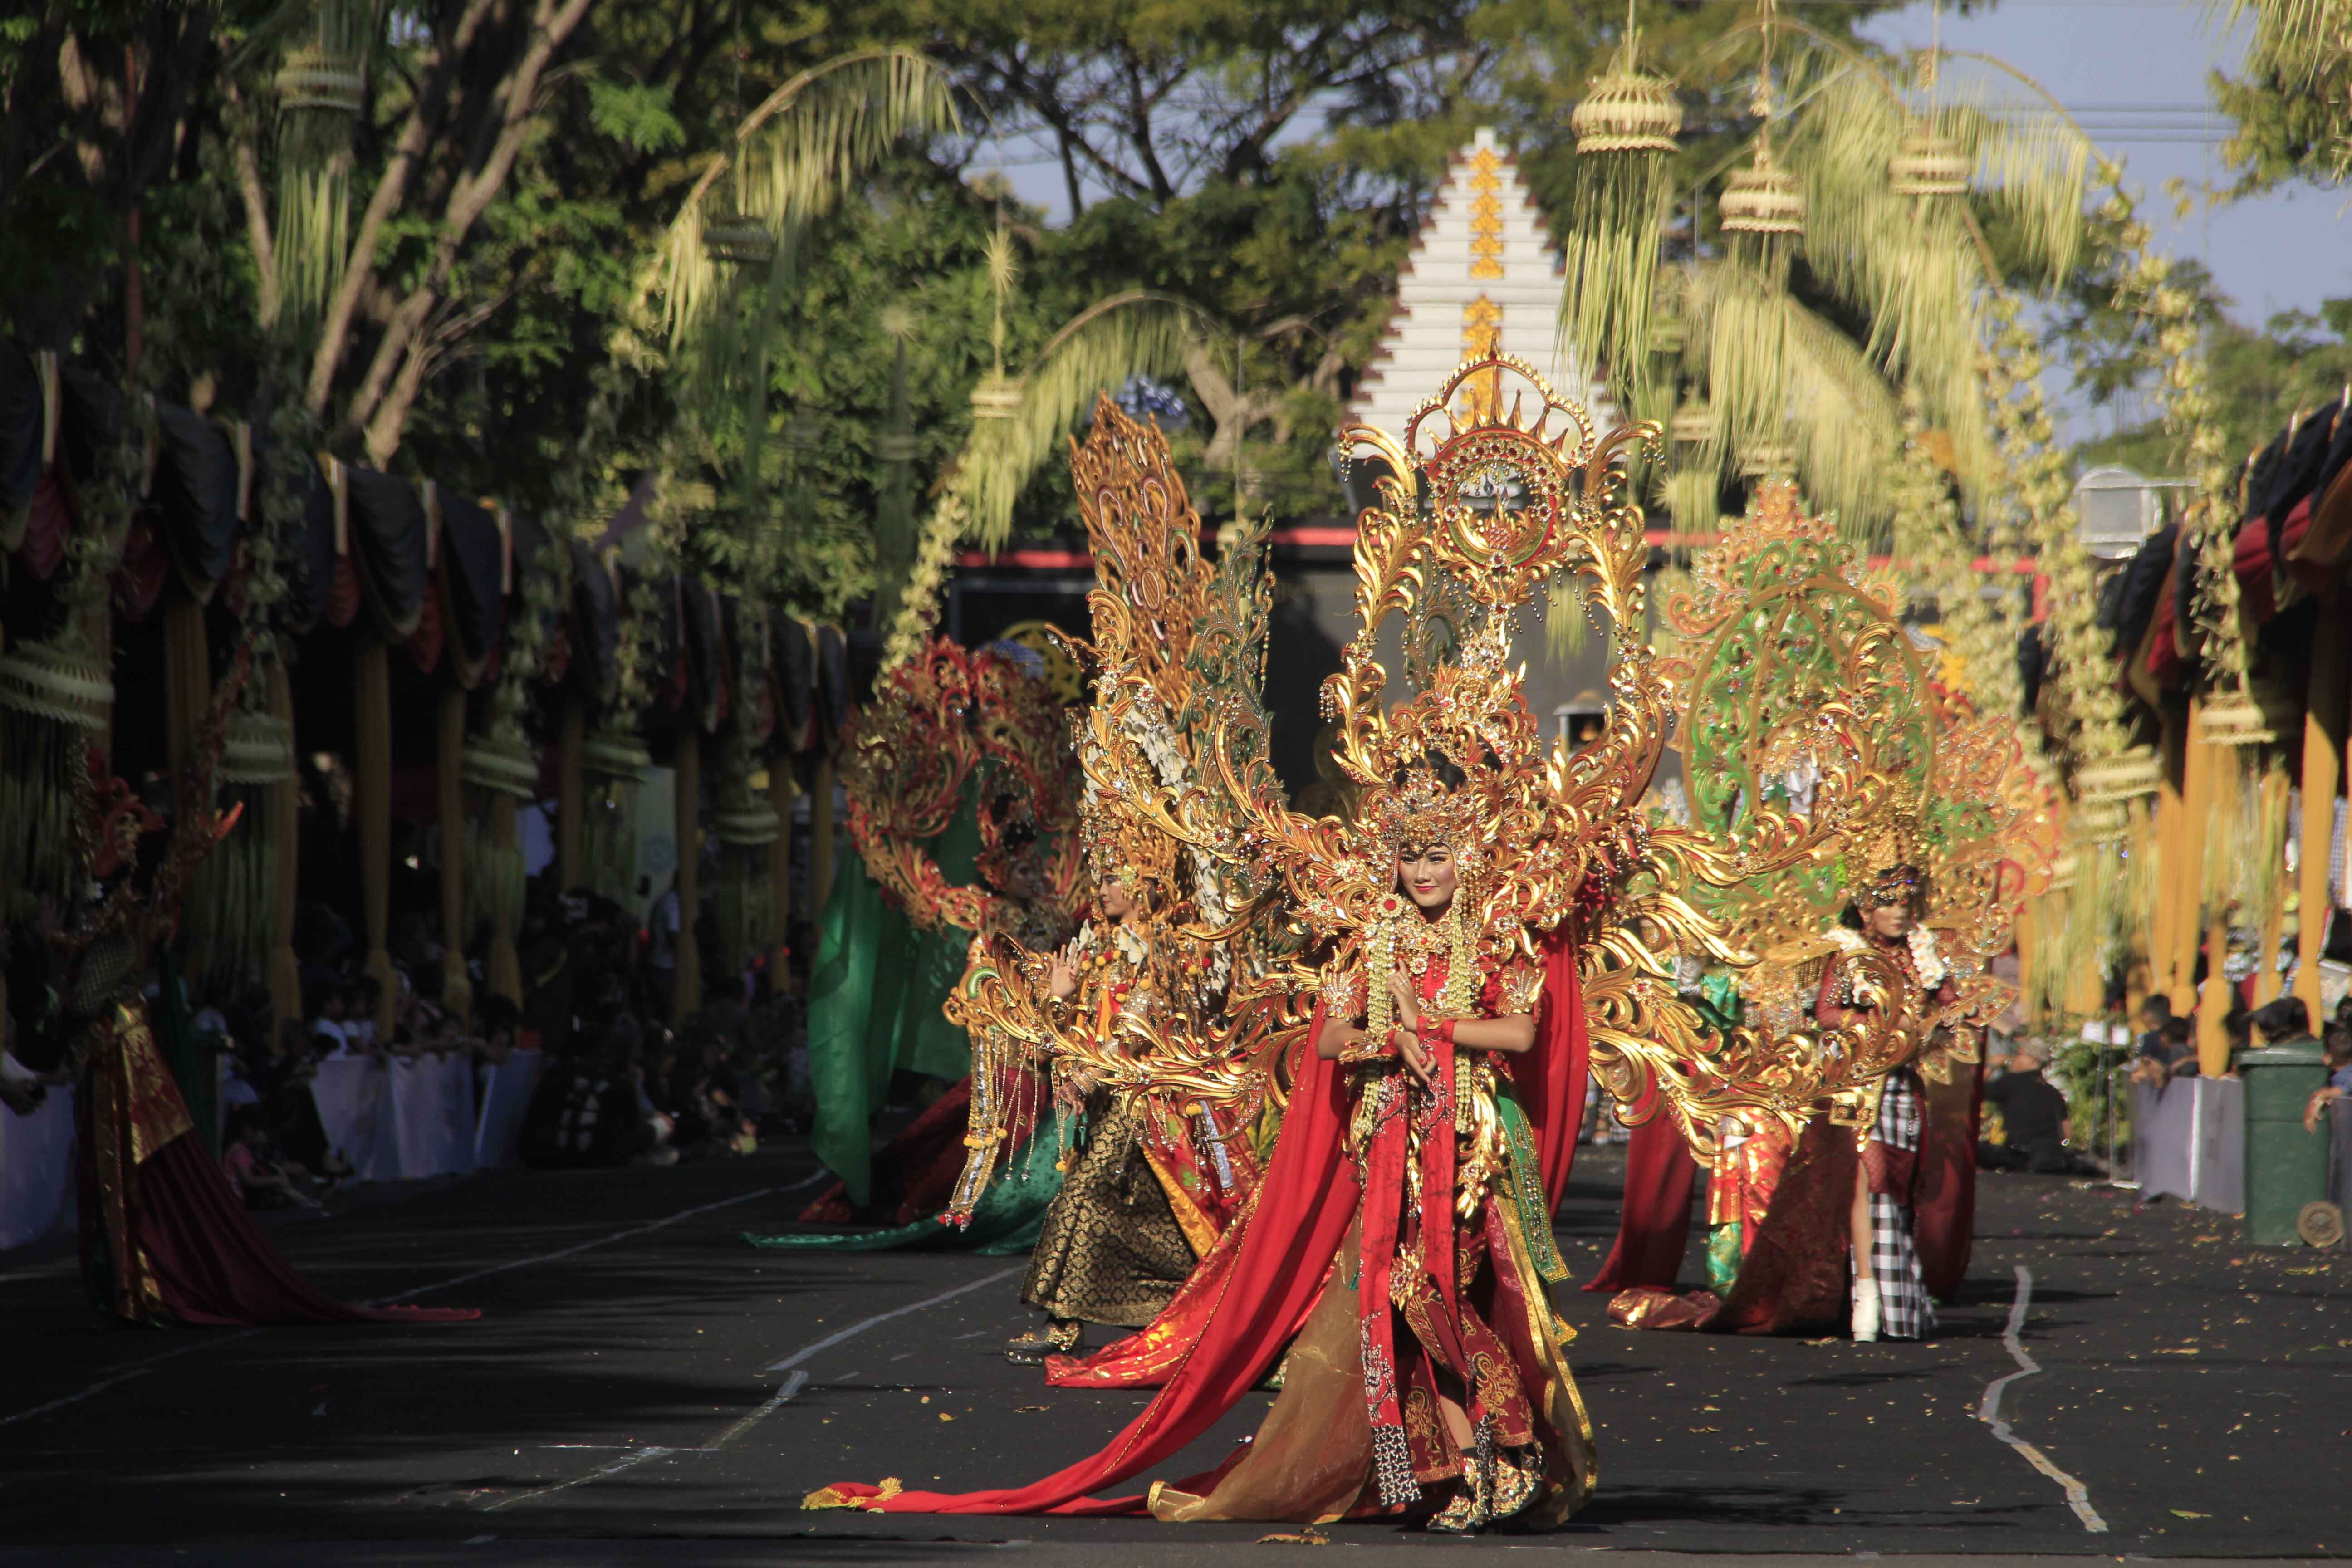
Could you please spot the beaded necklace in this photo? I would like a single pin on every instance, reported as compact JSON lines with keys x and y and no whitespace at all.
{"x":1402,"y":932}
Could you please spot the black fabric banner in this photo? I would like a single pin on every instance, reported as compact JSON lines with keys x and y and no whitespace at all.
{"x":473,"y":558}
{"x":794,"y":656}
{"x":833,"y":678}
{"x":195,"y":490}
{"x":387,"y":520}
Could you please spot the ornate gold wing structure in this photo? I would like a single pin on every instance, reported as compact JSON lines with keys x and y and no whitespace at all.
{"x":1782,"y":618}
{"x":938,"y":724}
{"x":1481,"y":507}
{"x":1179,"y":644}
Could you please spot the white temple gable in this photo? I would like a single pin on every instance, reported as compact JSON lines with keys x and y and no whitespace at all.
{"x":1482,"y":268}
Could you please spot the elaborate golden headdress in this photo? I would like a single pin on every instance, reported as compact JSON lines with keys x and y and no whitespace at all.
{"x":1482,"y":504}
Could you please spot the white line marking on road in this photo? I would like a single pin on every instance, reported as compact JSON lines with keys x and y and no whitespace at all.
{"x":785,"y":1391}
{"x":123,"y":1375}
{"x":612,"y":1467}
{"x":573,"y":1251}
{"x":851,"y":1333}
{"x":2078,"y":1497}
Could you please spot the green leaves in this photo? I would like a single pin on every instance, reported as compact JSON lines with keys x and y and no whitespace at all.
{"x":636,"y":114}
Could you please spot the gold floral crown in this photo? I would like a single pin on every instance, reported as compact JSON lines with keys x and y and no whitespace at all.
{"x":1884,"y":864}
{"x":1421,"y":809}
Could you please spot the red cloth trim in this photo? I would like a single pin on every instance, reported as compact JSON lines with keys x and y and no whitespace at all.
{"x":2250,"y":559}
{"x":146,"y":565}
{"x":343,"y":593}
{"x":424,"y":642}
{"x":2164,"y":660}
{"x":215,"y":1269}
{"x":1654,"y":1229}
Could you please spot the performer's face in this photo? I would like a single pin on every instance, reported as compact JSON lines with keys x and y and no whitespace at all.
{"x":1891,"y":920}
{"x":1116,"y":902}
{"x":1428,"y":875}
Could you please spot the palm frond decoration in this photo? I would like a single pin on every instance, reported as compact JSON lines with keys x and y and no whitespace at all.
{"x":321,"y":90}
{"x":1783,"y":381}
{"x":1626,"y":128}
{"x":792,"y":157}
{"x":2296,"y":40}
{"x":1135,"y":333}
{"x":1918,"y":266}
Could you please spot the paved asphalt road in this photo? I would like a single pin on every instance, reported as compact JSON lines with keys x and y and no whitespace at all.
{"x":645,"y":1387}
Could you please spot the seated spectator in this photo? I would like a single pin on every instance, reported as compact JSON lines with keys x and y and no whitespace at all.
{"x":500,"y":1022}
{"x":2033,"y":1112}
{"x":2284,"y":1021}
{"x":328,"y":1007}
{"x":259,"y":1177}
{"x":2155,"y":1017}
{"x":2337,"y":1049}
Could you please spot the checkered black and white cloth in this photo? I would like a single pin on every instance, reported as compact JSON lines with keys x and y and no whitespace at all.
{"x":1904,"y":1312}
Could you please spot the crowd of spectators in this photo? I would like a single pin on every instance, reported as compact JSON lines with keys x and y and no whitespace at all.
{"x":618,"y":1083}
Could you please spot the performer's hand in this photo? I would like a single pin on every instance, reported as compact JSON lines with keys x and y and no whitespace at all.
{"x":1061,"y":978}
{"x":1408,"y":1001}
{"x":1415,"y":1058}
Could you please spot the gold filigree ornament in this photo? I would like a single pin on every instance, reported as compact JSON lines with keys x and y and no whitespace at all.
{"x":1479,"y":511}
{"x":1782,"y":618}
{"x":939,"y":726}
{"x":1179,"y":645}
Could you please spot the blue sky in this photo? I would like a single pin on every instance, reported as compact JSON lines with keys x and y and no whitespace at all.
{"x":2136,"y":74}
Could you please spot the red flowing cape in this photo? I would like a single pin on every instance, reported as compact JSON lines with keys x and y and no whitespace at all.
{"x":1306,"y":1202}
{"x":1655,"y":1225}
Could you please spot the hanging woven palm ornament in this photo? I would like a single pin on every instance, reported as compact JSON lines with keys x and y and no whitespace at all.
{"x":733,"y":235}
{"x":1929,"y":164}
{"x":1627,"y":128}
{"x":1763,"y":199}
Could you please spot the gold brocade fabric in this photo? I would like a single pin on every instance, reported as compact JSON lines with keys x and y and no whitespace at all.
{"x":134,"y":1108}
{"x":1110,"y":1250}
{"x":1311,"y":1460}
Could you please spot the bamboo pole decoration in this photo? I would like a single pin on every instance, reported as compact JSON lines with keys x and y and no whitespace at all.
{"x":372,"y":798}
{"x":2189,"y":865}
{"x":2325,"y":720}
{"x":2214,"y":993}
{"x":821,"y":833}
{"x":2143,"y":973}
{"x":687,"y":995}
{"x":449,"y":791}
{"x":2266,"y":969}
{"x":781,"y":791}
{"x":2171,"y":847}
{"x":503,"y":971}
{"x":571,"y":794}
{"x":286,"y":834}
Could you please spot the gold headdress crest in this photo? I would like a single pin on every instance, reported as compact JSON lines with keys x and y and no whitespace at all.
{"x":1886,"y":863}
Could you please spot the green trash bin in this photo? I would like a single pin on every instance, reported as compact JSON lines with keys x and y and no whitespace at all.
{"x":2287,"y":1167}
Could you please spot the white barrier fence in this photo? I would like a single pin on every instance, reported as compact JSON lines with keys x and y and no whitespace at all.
{"x":397,"y":1120}
{"x":2188,"y":1141}
{"x":37,"y":1169}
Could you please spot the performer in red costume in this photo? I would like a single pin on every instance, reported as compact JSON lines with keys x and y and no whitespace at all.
{"x":166,"y":1240}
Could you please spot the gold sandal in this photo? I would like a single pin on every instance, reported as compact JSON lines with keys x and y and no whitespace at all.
{"x":1058,"y":1337}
